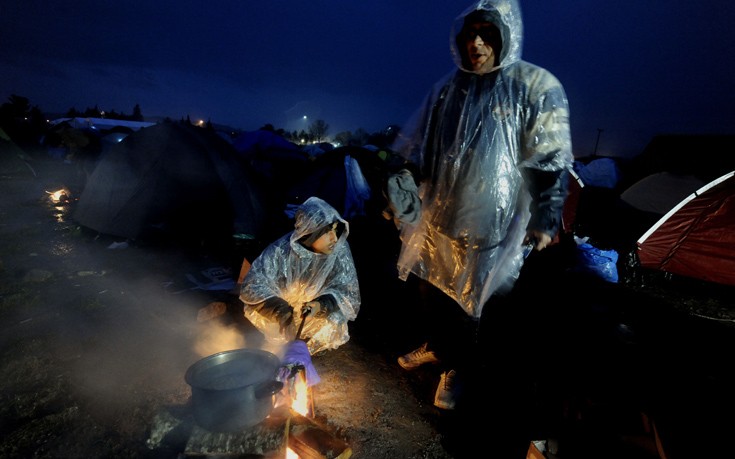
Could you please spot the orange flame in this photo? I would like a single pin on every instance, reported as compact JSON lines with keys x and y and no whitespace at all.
{"x":59,"y":195}
{"x":300,"y":396}
{"x":301,"y":402}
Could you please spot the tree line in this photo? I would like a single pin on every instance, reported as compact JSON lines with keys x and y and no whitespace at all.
{"x":26,"y":123}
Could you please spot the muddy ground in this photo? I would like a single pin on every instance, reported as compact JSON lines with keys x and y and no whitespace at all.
{"x":97,"y":336}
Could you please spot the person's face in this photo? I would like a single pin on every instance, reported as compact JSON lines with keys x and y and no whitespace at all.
{"x":478,"y":42}
{"x":325,"y":243}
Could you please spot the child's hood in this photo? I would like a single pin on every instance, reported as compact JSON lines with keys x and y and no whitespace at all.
{"x":314,"y":214}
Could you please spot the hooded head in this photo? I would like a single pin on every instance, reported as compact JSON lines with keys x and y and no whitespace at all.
{"x":310,"y":239}
{"x":505,"y":15}
{"x":314,"y":218}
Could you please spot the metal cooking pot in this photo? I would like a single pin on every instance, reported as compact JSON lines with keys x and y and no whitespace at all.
{"x":232,"y":390}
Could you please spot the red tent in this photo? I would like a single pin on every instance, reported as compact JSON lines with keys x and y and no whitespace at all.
{"x":697,"y":237}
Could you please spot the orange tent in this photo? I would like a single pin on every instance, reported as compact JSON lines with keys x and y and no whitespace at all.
{"x":696,"y":238}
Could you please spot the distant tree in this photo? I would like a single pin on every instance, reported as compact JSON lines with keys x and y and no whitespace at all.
{"x":359,"y":137}
{"x":137,"y":113}
{"x":37,"y":119}
{"x":17,"y":107}
{"x":343,"y":138}
{"x":72,"y":113}
{"x":302,"y":137}
{"x":23,"y":123}
{"x":290,"y":136}
{"x":384,"y":138}
{"x":318,"y":131}
{"x":92,"y":112}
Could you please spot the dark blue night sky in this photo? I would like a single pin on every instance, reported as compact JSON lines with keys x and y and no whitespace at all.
{"x":632,"y":68}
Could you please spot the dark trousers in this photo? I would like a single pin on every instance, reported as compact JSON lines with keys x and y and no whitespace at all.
{"x":451,"y":333}
{"x":495,"y":398}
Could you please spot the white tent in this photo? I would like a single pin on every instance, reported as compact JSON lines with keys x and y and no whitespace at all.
{"x":660,"y":192}
{"x":101,"y":124}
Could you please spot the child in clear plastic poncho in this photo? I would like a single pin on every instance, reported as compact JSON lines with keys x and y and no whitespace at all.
{"x":309,"y":269}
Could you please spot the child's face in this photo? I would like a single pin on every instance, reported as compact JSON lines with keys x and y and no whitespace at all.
{"x":325,"y":243}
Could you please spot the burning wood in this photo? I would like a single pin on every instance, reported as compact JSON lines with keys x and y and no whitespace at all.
{"x":288,"y":432}
{"x":296,"y":394}
{"x":310,"y":440}
{"x":283,"y":429}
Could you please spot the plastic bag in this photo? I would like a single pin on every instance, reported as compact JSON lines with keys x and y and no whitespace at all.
{"x":591,"y":260}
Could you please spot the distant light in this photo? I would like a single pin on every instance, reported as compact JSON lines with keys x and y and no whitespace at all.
{"x":304,"y":116}
{"x":59,"y":195}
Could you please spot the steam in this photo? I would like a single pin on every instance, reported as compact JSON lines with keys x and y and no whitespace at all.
{"x":106,"y":326}
{"x":217,"y":337}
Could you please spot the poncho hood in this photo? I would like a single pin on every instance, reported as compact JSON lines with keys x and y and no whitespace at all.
{"x":506,"y":16}
{"x":311,"y":219}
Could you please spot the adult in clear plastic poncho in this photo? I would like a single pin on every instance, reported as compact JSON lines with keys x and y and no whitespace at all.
{"x":310,"y":268}
{"x":489,"y":150}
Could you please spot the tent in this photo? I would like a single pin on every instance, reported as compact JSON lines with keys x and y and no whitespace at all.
{"x":349,"y":178}
{"x":173,"y":179}
{"x":704,"y":156}
{"x":270,"y":155}
{"x":695,"y":238}
{"x":660,"y":192}
{"x":102,"y":124}
{"x":276,"y":163}
{"x":600,"y":172}
{"x":13,"y":159}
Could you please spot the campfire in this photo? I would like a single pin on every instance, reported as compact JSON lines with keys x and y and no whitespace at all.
{"x":249,"y":402}
{"x":296,"y":394}
{"x":298,"y":401}
{"x":289,"y":431}
{"x":59,"y":196}
{"x":60,"y":199}
{"x":304,"y":437}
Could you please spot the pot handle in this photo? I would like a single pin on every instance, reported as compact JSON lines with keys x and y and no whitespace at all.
{"x":267,"y":388}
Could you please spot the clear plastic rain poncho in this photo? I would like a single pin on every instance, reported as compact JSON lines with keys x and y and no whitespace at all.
{"x":480,"y":142}
{"x":289,"y":270}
